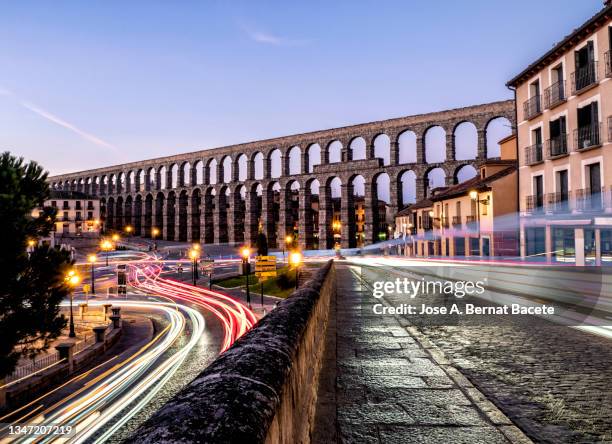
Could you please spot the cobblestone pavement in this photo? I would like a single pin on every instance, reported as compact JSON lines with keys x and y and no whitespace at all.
{"x":554,"y":382}
{"x":380,"y":385}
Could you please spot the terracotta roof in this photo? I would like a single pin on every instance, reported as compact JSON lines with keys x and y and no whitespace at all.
{"x":476,"y":183}
{"x":564,"y":45}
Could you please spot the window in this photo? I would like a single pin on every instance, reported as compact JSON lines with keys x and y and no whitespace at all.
{"x":90,"y":215}
{"x":594,"y":194}
{"x":557,"y":144}
{"x":54,"y":203}
{"x":562,"y":191}
{"x":563,"y":245}
{"x":586,"y":73}
{"x":474,"y":246}
{"x":78,"y":204}
{"x":458,"y":209}
{"x":65,"y":215}
{"x":587,"y":134}
{"x":459,"y":246}
{"x":66,"y":206}
{"x":535,"y":242}
{"x":538,"y":192}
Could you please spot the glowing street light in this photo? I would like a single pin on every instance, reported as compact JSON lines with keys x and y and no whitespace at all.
{"x":194,"y":255}
{"x":72,"y":280}
{"x":296,"y":259}
{"x":92,"y":260}
{"x":245,"y":252}
{"x":155,"y":232}
{"x":474,"y":196}
{"x":115,"y":237}
{"x":106,"y":246}
{"x":129,"y":229}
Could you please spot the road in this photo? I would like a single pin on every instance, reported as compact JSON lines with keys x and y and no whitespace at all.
{"x":551,"y":379}
{"x":106,"y":402}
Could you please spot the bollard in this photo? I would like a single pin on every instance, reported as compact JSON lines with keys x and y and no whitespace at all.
{"x":66,"y":351}
{"x":116,"y":321}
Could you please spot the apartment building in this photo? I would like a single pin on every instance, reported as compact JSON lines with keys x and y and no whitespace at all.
{"x":77,"y":214}
{"x":564,"y":119}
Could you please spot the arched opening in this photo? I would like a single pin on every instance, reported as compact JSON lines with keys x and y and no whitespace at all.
{"x":186,"y":175}
{"x":174,"y":179}
{"x":311,"y":214}
{"x":163,"y":176}
{"x":382,"y":148}
{"x":142,"y":182}
{"x":496,"y":130}
{"x":466,"y":141}
{"x":357,"y":220}
{"x":382,"y":213}
{"x":466,"y":172}
{"x":196,"y":202}
{"x":226,"y":166}
{"x":138,"y":228}
{"x":119,"y":222}
{"x":127,"y":212}
{"x":158,"y":223}
{"x":436,"y":178}
{"x":199,"y":172}
{"x":209,"y":222}
{"x":407,"y":147}
{"x":253,"y":217}
{"x":275,"y":164}
{"x":295,"y":161}
{"x":334,"y":152}
{"x":239,"y":214}
{"x":183,"y":216}
{"x":357,"y":148}
{"x":224,"y":203}
{"x":435,"y":145}
{"x":110,"y":214}
{"x":314,"y":156}
{"x":148,"y":219}
{"x":151,"y":185}
{"x":212,"y":171}
{"x":242,"y":167}
{"x":335,"y":190}
{"x":407,"y":186}
{"x":171,"y":228}
{"x":258,"y":166}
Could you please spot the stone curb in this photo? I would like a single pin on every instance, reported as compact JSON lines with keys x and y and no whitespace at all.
{"x":486,"y":407}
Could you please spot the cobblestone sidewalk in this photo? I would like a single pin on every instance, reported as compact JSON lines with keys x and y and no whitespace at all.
{"x":383,"y":383}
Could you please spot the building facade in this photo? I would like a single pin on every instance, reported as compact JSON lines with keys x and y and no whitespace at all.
{"x":281,"y":186}
{"x":478,"y":217}
{"x":564,"y":114}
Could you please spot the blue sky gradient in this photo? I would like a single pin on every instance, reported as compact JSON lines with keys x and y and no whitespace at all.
{"x":90,"y":84}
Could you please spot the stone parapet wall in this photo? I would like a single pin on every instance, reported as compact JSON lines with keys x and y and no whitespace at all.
{"x":261,"y":390}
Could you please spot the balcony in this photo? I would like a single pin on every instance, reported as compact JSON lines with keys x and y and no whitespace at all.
{"x":534,"y":203}
{"x":532,"y":107}
{"x":555,"y":94}
{"x":456,"y":220}
{"x":533,"y":154}
{"x":588,"y":136}
{"x":589,"y":200}
{"x":608,"y":56}
{"x":557,"y":203}
{"x":445,"y":222}
{"x":427,"y":223}
{"x":557,"y":146}
{"x":584,"y":78}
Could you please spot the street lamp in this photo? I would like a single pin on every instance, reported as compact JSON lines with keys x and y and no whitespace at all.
{"x":92,"y":260}
{"x":72,"y":279}
{"x":106,"y":246}
{"x":154,"y":233}
{"x":474,"y":196}
{"x":246,"y":253}
{"x":115,"y":237}
{"x":296,"y":260}
{"x":194,"y":254}
{"x":129,"y":229}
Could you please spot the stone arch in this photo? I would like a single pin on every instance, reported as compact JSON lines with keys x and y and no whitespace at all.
{"x":210,"y":201}
{"x":465,"y":137}
{"x":162,"y":174}
{"x":160,"y":204}
{"x":183,"y":216}
{"x":199,"y":172}
{"x":358,"y":148}
{"x":148,"y":212}
{"x":138,"y":212}
{"x":259,"y":170}
{"x":407,"y":144}
{"x":496,"y":129}
{"x":435,"y":177}
{"x":128,"y":216}
{"x":185,"y":174}
{"x":239,"y":214}
{"x":407,"y":187}
{"x":382,"y":148}
{"x":195,"y":213}
{"x":276,"y":164}
{"x":119,"y":223}
{"x":435,"y":144}
{"x":211,"y":168}
{"x":174,"y":176}
{"x":242,"y":164}
{"x":294,"y":159}
{"x":314,"y":156}
{"x":334,"y":152}
{"x":226,"y":169}
{"x":464,"y":172}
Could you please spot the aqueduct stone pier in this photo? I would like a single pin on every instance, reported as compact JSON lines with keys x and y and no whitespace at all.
{"x":320,"y":187}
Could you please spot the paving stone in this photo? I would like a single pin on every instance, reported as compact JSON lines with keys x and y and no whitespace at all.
{"x":441,"y":435}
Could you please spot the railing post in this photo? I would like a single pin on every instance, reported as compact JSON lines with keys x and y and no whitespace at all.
{"x":66,"y":351}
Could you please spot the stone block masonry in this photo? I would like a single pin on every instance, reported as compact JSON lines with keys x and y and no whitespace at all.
{"x":261,"y":390}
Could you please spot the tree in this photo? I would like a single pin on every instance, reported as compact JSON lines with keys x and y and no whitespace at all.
{"x":31,"y":283}
{"x":262,"y":244}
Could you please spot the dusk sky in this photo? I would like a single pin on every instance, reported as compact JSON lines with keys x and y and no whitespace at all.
{"x":86,"y":85}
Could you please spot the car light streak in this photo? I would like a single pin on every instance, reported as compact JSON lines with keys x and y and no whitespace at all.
{"x":107,"y":402}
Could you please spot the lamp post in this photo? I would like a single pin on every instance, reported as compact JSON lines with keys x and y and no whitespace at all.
{"x":194,"y":254}
{"x":474,"y":196}
{"x":92,"y":260}
{"x":72,"y":279}
{"x":106,"y":246}
{"x":196,"y":247}
{"x":154,"y":233}
{"x":129,"y":229}
{"x":246,"y":253}
{"x":296,"y":260}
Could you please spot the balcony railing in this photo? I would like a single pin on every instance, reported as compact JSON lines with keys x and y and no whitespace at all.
{"x":584,"y":78}
{"x":532,"y":107}
{"x":533,"y":154}
{"x":427,"y":223}
{"x":608,"y":57}
{"x":445,"y":221}
{"x":587,"y":136}
{"x":456,"y":220}
{"x":534,"y":203}
{"x":557,"y":146}
{"x":554,"y":94}
{"x":589,"y":200}
{"x":557,"y":202}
